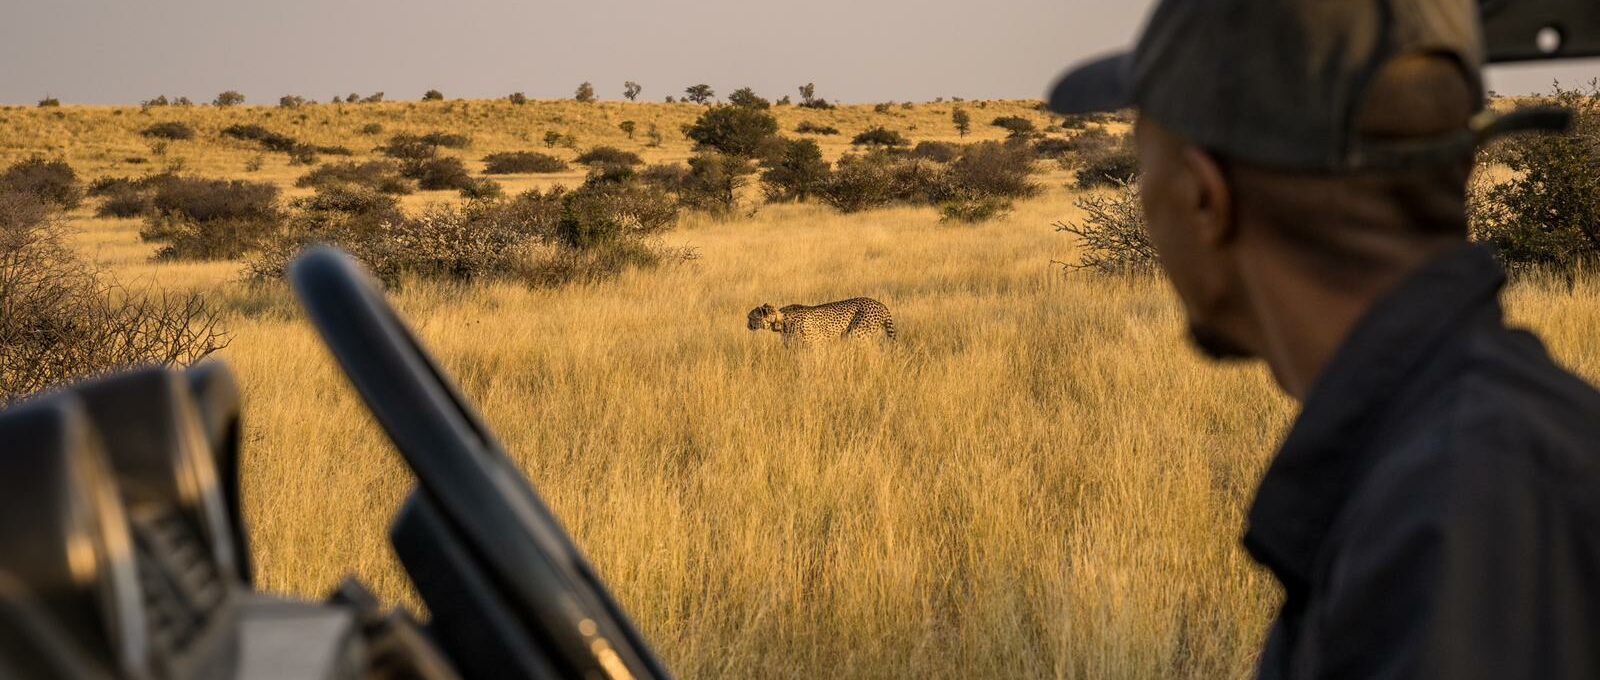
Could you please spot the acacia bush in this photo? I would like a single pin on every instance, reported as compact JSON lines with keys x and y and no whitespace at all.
{"x":734,"y":130}
{"x":941,"y":152}
{"x":514,"y":162}
{"x":748,"y":98}
{"x":539,"y":237}
{"x":1015,"y":126}
{"x":210,"y":219}
{"x":439,"y":173}
{"x":807,"y":127}
{"x":1112,"y":237}
{"x":880,"y":136}
{"x":383,"y":176}
{"x":448,"y":140}
{"x":172,"y":130}
{"x":714,"y":182}
{"x":1546,"y":215}
{"x":995,"y":169}
{"x":793,"y":171}
{"x":50,"y":181}
{"x":65,"y":320}
{"x":269,"y":140}
{"x":609,"y":155}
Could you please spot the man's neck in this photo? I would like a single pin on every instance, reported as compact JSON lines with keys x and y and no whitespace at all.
{"x":1304,"y":317}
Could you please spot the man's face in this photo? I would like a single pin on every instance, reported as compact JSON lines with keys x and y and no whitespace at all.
{"x":1174,"y":199}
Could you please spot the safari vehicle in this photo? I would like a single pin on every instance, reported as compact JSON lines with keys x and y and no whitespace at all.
{"x":124,"y":552}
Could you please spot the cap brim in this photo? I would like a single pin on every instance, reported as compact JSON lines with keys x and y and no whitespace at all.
{"x":1097,"y":85}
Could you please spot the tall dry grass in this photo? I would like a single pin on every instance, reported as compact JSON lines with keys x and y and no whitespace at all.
{"x":1038,"y":480}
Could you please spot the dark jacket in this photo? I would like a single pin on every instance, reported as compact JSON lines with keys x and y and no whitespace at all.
{"x":1435,"y":511}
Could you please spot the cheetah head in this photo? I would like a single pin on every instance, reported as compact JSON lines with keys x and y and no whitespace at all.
{"x":764,"y":317}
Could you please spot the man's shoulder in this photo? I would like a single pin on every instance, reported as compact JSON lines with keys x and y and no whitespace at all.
{"x":1507,"y":416}
{"x":1516,"y":401}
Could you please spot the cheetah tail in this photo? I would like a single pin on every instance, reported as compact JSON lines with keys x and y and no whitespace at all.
{"x":888,"y":327}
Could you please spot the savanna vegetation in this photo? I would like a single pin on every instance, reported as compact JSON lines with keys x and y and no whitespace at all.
{"x":1036,"y":481}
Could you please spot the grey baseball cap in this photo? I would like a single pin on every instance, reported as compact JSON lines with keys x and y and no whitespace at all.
{"x":1278,"y":82}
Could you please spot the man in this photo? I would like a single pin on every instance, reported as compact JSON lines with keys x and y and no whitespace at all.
{"x":1435,"y":510}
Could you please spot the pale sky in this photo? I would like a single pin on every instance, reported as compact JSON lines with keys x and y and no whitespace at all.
{"x":124,"y":51}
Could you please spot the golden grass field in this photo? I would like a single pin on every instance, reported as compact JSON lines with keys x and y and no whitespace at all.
{"x":1040,"y":480}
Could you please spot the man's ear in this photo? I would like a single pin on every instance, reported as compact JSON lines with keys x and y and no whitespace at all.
{"x":1213,"y":198}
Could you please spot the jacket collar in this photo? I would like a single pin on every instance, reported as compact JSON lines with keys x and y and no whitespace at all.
{"x":1327,"y":450}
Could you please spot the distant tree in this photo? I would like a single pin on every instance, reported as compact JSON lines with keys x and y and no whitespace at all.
{"x":551,"y":138}
{"x":670,"y":100}
{"x":229,"y":98}
{"x":881,"y":107}
{"x":734,"y":130}
{"x":699,"y":94}
{"x":655,"y":135}
{"x":49,"y":101}
{"x":962,"y":119}
{"x":783,"y":101}
{"x":433,"y":96}
{"x":793,"y":171}
{"x":585,"y":93}
{"x":291,"y":101}
{"x":808,"y":92}
{"x":517,"y":98}
{"x":748,"y":98}
{"x":628,"y":127}
{"x":373,"y":98}
{"x":352,"y":98}
{"x":1017,"y":126}
{"x":631,"y":90}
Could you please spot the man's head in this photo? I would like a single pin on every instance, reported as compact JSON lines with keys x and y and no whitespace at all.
{"x":1294,"y":148}
{"x":1216,"y":220}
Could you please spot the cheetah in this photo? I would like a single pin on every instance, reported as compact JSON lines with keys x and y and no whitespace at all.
{"x":856,"y":318}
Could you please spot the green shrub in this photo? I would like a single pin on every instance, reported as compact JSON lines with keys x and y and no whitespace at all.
{"x":807,"y":127}
{"x":609,"y":155}
{"x":407,"y":147}
{"x":517,"y":98}
{"x":433,"y":96}
{"x":269,"y":140}
{"x":604,"y":212}
{"x":173,"y":130}
{"x":734,"y":130}
{"x":514,"y":162}
{"x":585,"y":93}
{"x":1016,"y":126}
{"x":379,"y":175}
{"x":480,"y":188}
{"x":439,"y":173}
{"x":211,"y":200}
{"x":995,"y":169}
{"x":372,"y":129}
{"x":50,"y":181}
{"x":1108,"y":169}
{"x":49,"y":102}
{"x":939,"y":152}
{"x":794,"y":171}
{"x":1546,"y":215}
{"x":448,"y":140}
{"x":974,"y":209}
{"x":880,"y":136}
{"x":748,"y":98}
{"x":859,"y":183}
{"x":714,"y":182}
